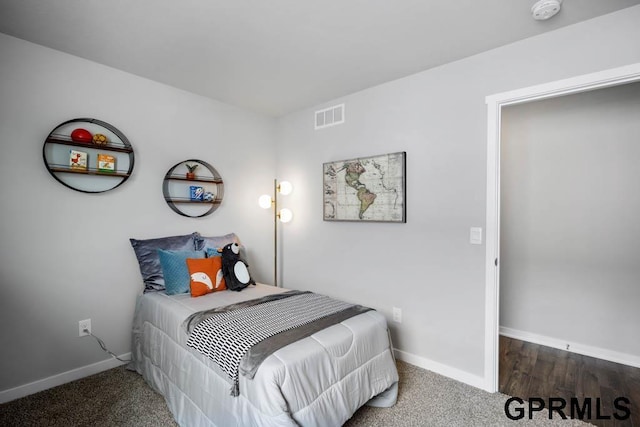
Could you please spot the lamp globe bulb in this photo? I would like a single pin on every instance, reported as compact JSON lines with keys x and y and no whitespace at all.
{"x":285,"y":215}
{"x":265,"y":201}
{"x":285,"y":188}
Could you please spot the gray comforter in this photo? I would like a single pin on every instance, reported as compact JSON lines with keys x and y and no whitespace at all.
{"x":239,"y":337}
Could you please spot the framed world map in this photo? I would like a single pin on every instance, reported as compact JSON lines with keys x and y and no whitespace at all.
{"x":369,"y":189}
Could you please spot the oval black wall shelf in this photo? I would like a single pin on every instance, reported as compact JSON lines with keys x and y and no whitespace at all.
{"x":116,"y":156}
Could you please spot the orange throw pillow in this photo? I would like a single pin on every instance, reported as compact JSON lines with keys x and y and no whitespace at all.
{"x":205,"y":275}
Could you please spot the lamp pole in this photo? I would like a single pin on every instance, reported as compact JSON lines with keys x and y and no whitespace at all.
{"x":275,"y":232}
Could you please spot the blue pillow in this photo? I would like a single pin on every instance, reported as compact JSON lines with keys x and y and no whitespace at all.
{"x":175,"y":271}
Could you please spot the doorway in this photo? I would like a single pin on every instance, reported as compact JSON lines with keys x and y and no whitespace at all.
{"x":569,"y":230}
{"x":608,"y":78}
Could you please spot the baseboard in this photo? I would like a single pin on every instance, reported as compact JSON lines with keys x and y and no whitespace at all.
{"x":59,"y":379}
{"x":573,"y":347}
{"x":439,"y":368}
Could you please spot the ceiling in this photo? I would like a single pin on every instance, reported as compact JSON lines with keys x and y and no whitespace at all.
{"x":278,"y":56}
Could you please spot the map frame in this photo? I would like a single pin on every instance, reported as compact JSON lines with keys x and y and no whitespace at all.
{"x":334,"y":172}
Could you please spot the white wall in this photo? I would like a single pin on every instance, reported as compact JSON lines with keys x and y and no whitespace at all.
{"x":570,"y":236}
{"x":427,"y":266}
{"x":65,"y":256}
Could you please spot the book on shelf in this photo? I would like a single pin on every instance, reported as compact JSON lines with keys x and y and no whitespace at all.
{"x":196,"y":192}
{"x":106,"y":163}
{"x":78,"y":159}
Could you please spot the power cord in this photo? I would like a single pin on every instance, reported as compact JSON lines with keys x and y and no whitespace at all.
{"x":104,"y":347}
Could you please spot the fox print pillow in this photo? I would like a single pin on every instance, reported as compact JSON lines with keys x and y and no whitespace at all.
{"x":205,"y":276}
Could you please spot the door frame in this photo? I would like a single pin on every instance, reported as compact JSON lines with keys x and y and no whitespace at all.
{"x":599,"y":80}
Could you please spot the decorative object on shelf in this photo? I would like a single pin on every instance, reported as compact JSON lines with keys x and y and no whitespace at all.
{"x":100,"y":139}
{"x":78,"y":159}
{"x":106,"y":163}
{"x":366,"y":189}
{"x":81,"y":135}
{"x":196,"y":193}
{"x":99,"y":166}
{"x":284,"y":215}
{"x":187,"y":199}
{"x":191,"y":174}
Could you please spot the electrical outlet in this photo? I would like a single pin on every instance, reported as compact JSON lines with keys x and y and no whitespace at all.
{"x":397,"y":314}
{"x":84,"y":327}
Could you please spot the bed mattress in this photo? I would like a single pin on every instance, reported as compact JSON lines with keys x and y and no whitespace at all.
{"x":320,"y":380}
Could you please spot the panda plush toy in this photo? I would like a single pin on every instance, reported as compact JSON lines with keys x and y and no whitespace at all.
{"x":234,"y":269}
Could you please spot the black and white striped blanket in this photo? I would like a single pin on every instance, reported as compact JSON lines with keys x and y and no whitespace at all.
{"x":226,"y":334}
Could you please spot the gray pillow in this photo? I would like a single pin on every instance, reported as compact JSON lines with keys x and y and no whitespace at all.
{"x":149,"y":261}
{"x":215,"y":242}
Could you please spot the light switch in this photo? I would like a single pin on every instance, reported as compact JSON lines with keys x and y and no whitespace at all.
{"x":475,"y":236}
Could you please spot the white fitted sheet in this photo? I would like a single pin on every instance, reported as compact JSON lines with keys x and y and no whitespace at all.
{"x":317,"y":381}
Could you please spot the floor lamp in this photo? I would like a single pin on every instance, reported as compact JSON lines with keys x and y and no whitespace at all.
{"x":284,"y":215}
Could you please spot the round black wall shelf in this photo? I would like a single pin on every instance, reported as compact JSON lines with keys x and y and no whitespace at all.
{"x":195,"y":195}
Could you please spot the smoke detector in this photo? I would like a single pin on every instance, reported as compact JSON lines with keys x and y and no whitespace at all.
{"x":545,"y":9}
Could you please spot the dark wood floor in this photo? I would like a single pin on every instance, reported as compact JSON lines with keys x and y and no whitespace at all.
{"x":530,"y":370}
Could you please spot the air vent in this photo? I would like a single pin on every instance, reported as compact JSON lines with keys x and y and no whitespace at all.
{"x":330,"y":116}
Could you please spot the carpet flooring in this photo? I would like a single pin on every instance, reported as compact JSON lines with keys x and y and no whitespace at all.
{"x":118,"y":397}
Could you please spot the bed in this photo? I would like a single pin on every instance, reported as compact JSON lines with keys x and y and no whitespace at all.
{"x":320,"y":380}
